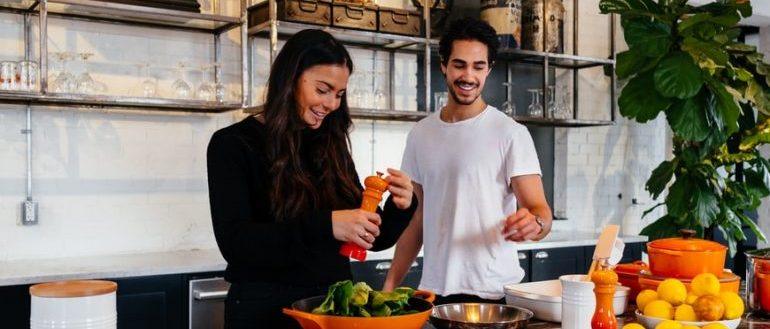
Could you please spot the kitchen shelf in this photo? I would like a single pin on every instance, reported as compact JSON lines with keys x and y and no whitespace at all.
{"x":565,"y":61}
{"x":365,"y":39}
{"x":370,"y":114}
{"x":103,"y":101}
{"x":554,"y":122}
{"x":124,"y":13}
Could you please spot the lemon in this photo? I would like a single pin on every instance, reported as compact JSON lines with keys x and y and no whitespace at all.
{"x":705,"y":284}
{"x":690,"y":299}
{"x":669,"y":324}
{"x":690,"y":327}
{"x":633,"y":326}
{"x":672,"y":291}
{"x":733,"y":305}
{"x":685,"y":312}
{"x":715,"y":325}
{"x":709,"y":308}
{"x":645,"y":297}
{"x":659,"y":309}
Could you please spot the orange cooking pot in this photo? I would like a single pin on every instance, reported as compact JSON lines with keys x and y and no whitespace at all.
{"x":301,"y":310}
{"x":686,"y":257}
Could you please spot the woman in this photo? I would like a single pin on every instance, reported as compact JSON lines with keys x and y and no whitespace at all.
{"x":284,"y":191}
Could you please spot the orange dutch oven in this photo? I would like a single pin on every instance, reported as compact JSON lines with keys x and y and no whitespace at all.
{"x":422,"y":302}
{"x":686,"y":257}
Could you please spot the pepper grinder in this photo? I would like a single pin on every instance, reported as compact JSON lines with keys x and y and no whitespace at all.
{"x":375,"y":187}
{"x":605,"y":281}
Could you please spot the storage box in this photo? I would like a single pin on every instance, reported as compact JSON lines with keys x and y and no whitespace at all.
{"x":354,"y":16}
{"x":400,"y":21}
{"x":318,"y":12}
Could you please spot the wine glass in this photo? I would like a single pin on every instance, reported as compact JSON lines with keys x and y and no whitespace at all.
{"x":551,"y":105}
{"x":64,"y":82}
{"x":205,"y":90}
{"x":85,"y":83}
{"x":148,"y":87}
{"x":509,"y":106}
{"x":535,"y":109}
{"x":180,"y":88}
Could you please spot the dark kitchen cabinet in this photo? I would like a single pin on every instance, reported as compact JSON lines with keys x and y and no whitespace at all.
{"x":15,"y":310}
{"x":151,"y":302}
{"x":373,"y":272}
{"x":549,"y":264}
{"x":524,"y":260}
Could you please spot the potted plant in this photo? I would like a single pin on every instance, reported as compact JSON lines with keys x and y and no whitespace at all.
{"x":685,"y":61}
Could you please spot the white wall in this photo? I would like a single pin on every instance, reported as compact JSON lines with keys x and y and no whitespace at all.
{"x":121,"y":182}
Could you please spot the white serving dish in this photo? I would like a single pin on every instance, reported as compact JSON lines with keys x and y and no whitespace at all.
{"x":544,"y":298}
{"x":650,"y":322}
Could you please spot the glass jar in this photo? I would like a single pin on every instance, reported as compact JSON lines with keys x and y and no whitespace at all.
{"x":758,"y":280}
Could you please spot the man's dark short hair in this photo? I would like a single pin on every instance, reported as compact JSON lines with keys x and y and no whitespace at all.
{"x":469,"y":28}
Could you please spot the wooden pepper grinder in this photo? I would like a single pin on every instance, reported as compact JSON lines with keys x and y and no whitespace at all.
{"x":375,"y":187}
{"x":605,"y":281}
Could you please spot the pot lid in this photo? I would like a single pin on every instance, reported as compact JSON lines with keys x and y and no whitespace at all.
{"x":686,"y":243}
{"x":631,"y":268}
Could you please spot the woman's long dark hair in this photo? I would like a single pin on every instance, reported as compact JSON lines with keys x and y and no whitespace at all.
{"x":294,"y":189}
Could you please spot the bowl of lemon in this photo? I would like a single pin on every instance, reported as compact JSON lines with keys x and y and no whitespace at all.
{"x":673,"y":306}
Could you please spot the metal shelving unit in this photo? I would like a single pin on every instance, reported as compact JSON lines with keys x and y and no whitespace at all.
{"x":572,"y":62}
{"x":116,"y":13}
{"x":274,"y":29}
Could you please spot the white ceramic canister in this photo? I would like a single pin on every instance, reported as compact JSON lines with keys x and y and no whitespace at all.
{"x":88,"y":304}
{"x":578,"y":302}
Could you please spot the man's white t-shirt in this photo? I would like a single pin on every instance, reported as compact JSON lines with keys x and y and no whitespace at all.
{"x":465,"y":169}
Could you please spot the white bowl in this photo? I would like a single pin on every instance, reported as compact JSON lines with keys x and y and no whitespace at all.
{"x":544,"y":298}
{"x":650,"y":322}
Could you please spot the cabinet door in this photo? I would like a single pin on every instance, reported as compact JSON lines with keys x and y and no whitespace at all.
{"x":150,"y":302}
{"x":373,"y":272}
{"x":549,"y":264}
{"x":16,"y":304}
{"x":524,"y":261}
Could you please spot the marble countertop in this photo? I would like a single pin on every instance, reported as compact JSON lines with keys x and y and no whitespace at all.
{"x":20,"y":272}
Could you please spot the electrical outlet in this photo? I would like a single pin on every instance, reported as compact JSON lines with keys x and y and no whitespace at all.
{"x":29,"y":212}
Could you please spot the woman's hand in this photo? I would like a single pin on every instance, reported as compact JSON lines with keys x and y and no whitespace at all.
{"x":400,"y":186}
{"x":357,"y":226}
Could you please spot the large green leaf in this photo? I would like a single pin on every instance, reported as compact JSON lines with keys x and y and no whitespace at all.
{"x":687,"y":119}
{"x":628,"y":6}
{"x":664,"y":227}
{"x":679,"y":197}
{"x":678,"y":76}
{"x":753,"y":226}
{"x":650,"y":37}
{"x":710,"y":50}
{"x":632,"y":62}
{"x":639,"y":100}
{"x":660,"y":177}
{"x":706,"y":205}
{"x":726,"y":107}
{"x":690,"y":21}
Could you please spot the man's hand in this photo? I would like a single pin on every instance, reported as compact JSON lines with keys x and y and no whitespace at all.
{"x":521,"y":226}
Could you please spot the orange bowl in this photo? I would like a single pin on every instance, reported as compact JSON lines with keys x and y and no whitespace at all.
{"x":302,"y":312}
{"x":728,"y":281}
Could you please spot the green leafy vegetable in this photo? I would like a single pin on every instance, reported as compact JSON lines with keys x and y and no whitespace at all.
{"x":347,"y":299}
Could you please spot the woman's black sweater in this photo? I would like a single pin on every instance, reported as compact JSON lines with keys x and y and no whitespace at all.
{"x":257,"y":247}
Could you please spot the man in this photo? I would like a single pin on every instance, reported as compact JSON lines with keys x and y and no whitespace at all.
{"x":471,"y":165}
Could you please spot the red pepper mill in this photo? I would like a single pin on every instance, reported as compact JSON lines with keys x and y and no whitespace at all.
{"x":375,"y":187}
{"x":605,"y":281}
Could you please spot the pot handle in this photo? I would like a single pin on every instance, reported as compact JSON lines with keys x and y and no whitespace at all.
{"x":666,"y":252}
{"x":307,"y":320}
{"x":428,"y":296}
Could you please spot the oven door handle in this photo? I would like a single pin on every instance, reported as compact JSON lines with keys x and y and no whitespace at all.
{"x":209,"y":295}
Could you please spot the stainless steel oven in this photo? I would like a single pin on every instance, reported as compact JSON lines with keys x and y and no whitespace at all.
{"x":207,"y":303}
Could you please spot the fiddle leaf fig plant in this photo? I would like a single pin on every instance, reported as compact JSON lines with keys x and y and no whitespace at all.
{"x":685,"y":62}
